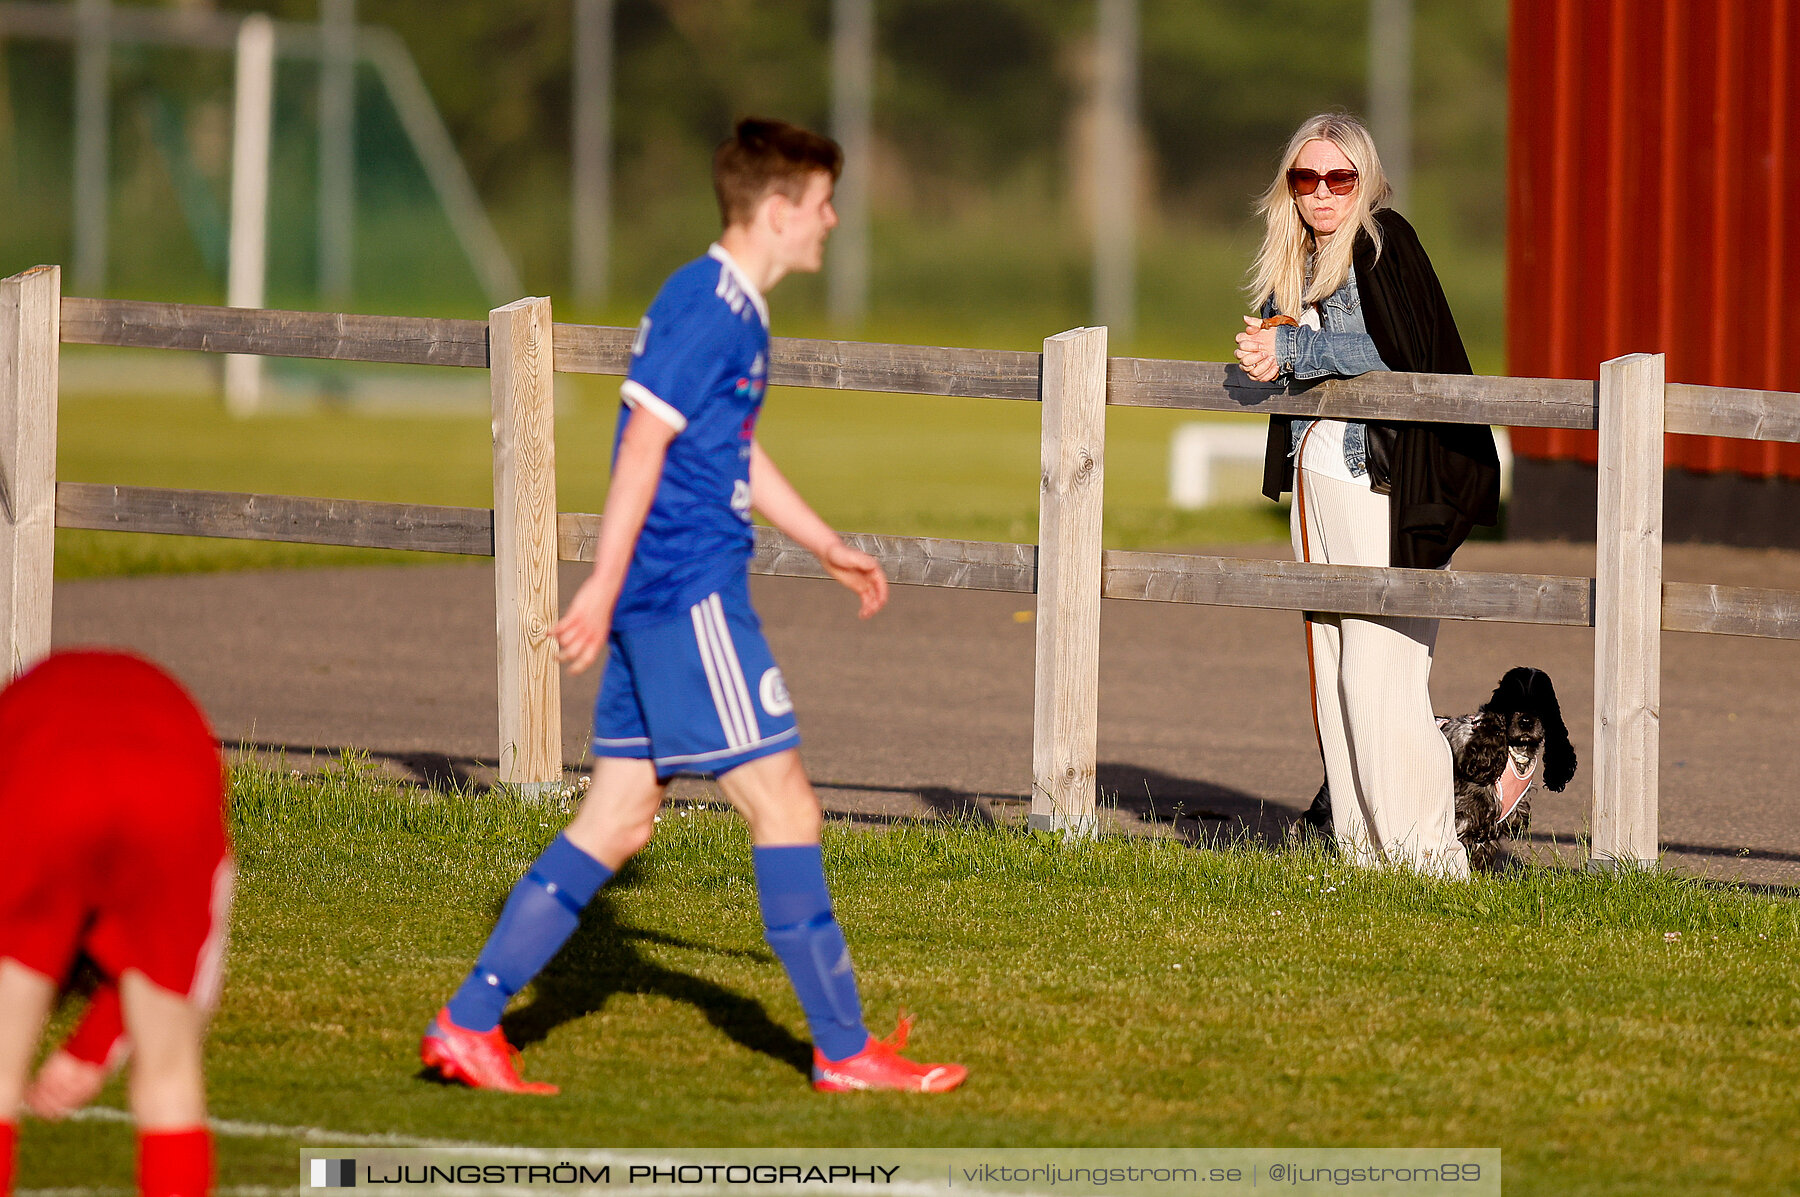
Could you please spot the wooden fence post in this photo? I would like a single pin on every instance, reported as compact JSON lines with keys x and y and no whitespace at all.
{"x":1064,"y":725}
{"x":30,"y":309}
{"x":525,"y":595}
{"x":1628,"y":614}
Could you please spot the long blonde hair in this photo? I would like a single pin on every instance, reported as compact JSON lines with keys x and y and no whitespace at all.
{"x":1288,"y":244}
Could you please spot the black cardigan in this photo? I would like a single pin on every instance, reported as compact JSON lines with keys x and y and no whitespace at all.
{"x":1443,"y":479}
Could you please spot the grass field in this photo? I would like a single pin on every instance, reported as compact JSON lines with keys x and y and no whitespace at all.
{"x":905,"y":465}
{"x":1629,"y":1035}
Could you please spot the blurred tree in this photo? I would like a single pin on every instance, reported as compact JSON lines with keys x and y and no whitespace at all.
{"x":1226,"y":84}
{"x":976,"y":115}
{"x":969,"y":88}
{"x":974,"y":89}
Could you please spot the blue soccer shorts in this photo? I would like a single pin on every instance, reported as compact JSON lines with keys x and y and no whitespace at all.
{"x":698,"y":694}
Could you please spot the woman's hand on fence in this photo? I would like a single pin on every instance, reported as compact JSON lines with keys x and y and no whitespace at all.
{"x":860,"y":572}
{"x":1256,"y":351}
{"x":582,"y":632}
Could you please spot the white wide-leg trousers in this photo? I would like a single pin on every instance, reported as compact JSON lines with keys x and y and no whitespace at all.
{"x":1388,"y":766}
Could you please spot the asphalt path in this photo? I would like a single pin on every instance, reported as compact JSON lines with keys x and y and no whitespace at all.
{"x":926,"y":709}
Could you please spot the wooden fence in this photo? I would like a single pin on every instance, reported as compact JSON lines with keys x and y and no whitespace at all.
{"x":1628,"y":604}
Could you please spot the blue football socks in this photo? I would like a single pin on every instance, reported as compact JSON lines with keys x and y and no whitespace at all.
{"x":541,"y":913}
{"x":799,"y":925}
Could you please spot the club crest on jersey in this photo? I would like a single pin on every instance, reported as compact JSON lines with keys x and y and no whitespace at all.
{"x":774,"y":692}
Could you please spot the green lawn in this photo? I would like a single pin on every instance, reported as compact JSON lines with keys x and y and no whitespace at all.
{"x":904,"y":465}
{"x":1124,"y":992}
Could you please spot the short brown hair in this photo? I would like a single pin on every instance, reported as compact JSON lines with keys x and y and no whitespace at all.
{"x":768,"y":155}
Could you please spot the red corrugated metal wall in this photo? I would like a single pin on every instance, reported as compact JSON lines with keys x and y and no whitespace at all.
{"x":1653,"y":192}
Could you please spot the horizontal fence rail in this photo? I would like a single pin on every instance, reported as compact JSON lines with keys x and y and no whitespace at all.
{"x":348,"y":523}
{"x":1432,"y":398}
{"x":922,"y":370}
{"x":1730,"y":610}
{"x":957,"y":564}
{"x":1348,"y":589}
{"x":837,"y":365}
{"x":1630,"y":405}
{"x":406,"y":340}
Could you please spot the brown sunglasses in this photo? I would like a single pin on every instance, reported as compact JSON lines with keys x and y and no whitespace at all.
{"x":1301,"y":181}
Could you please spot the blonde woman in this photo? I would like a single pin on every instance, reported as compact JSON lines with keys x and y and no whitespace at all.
{"x":1344,"y":288}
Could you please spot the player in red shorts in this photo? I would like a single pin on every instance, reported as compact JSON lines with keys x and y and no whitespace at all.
{"x":112,"y":798}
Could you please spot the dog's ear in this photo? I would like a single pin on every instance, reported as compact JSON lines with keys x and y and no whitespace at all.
{"x":1514,"y":691}
{"x":1559,"y":754}
{"x":1483,"y":756}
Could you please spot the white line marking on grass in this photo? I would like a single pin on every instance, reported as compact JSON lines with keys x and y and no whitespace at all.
{"x":230,"y":1128}
{"x":121,"y":1191}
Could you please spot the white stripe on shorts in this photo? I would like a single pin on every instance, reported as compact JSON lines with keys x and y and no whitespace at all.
{"x":734,"y":671}
{"x":694,"y":758}
{"x":209,"y":971}
{"x":729,"y":721}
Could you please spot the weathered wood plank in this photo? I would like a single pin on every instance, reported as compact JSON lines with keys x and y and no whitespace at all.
{"x":525,"y":536}
{"x":1733,"y":411}
{"x":926,"y":370}
{"x":333,"y":335}
{"x":352,"y":523}
{"x":908,"y":560}
{"x":28,"y":371}
{"x":349,"y":523}
{"x":593,"y":349}
{"x":911,"y":369}
{"x":1453,"y":398}
{"x":577,"y":535}
{"x":837,"y":365}
{"x":1628,"y":613}
{"x":957,"y":564}
{"x":912,"y":561}
{"x":1348,"y":589}
{"x":1065,"y":715}
{"x":1731,"y":610}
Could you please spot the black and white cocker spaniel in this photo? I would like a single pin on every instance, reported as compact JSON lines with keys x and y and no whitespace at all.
{"x":1501,"y":752}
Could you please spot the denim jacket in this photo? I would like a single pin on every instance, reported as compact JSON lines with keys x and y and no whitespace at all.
{"x":1342,"y":347}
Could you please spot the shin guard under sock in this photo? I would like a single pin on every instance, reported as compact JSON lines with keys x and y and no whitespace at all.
{"x":175,"y":1163}
{"x":799,"y":925}
{"x":541,"y":913}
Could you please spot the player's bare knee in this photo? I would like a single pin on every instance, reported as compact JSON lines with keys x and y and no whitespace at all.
{"x":789,"y":817}
{"x":805,"y":823}
{"x":629,"y":839}
{"x":775,"y":798}
{"x":167,"y":1034}
{"x":614,"y":821}
{"x":611,"y":835}
{"x":25,"y":1000}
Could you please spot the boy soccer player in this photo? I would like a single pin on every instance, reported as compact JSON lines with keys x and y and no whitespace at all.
{"x":134,"y":872}
{"x":689,"y":682}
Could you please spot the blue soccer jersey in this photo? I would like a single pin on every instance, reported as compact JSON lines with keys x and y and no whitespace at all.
{"x":700,"y":364}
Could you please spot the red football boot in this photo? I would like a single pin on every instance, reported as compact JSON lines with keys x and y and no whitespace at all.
{"x":879,"y":1065}
{"x":479,"y":1059}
